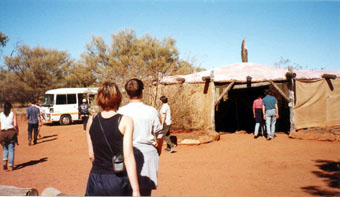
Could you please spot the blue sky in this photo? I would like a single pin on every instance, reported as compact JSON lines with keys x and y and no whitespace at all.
{"x":211,"y":32}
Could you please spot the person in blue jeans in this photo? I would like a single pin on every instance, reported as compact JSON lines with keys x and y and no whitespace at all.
{"x":8,"y":135}
{"x":34,"y":121}
{"x":270,"y":113}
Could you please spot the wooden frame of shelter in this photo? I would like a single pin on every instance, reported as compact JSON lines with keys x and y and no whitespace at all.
{"x":215,"y":88}
{"x":290,"y":76}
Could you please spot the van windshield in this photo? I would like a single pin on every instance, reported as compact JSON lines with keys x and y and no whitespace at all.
{"x":48,"y":100}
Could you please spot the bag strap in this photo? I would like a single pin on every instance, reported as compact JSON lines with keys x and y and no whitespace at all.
{"x":101,"y":128}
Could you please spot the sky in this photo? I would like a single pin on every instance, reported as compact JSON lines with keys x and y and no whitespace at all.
{"x":208,"y":33}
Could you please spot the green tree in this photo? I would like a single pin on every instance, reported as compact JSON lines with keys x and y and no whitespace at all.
{"x":146,"y":58}
{"x":38,"y":69}
{"x":12,"y":89}
{"x":80,"y":75}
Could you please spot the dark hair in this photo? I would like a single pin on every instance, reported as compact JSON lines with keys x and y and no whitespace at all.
{"x":266,"y":92}
{"x":109,"y":96}
{"x":34,"y":102}
{"x":7,"y":108}
{"x":163,"y":99}
{"x":134,"y":88}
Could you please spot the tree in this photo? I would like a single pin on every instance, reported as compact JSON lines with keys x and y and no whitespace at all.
{"x":12,"y":89}
{"x":287,"y":63}
{"x":39,"y":69}
{"x":80,"y":75}
{"x":128,"y":56}
{"x":3,"y":39}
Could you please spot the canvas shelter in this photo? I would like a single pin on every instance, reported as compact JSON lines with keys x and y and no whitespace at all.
{"x":221,"y":99}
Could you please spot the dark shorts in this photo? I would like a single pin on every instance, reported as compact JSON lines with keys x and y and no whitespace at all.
{"x":258,"y":115}
{"x":108,"y":185}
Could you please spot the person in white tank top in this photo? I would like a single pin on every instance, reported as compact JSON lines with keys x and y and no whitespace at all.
{"x":8,"y":135}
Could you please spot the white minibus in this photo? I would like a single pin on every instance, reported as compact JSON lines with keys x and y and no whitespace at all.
{"x":62,"y":105}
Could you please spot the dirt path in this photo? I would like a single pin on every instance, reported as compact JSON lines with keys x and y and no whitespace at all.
{"x":237,"y":165}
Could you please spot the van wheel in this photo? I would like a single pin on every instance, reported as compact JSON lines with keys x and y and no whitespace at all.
{"x":65,"y":120}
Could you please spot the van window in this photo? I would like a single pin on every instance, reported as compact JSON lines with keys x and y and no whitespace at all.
{"x":48,"y":100}
{"x":71,"y":99}
{"x":80,"y":98}
{"x":61,"y":99}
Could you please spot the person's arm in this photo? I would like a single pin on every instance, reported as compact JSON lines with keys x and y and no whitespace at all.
{"x":26,"y":113}
{"x":15,"y":123}
{"x":277,"y":111}
{"x":254,"y":109}
{"x":264,"y":112}
{"x":129,"y":157}
{"x":88,"y":137}
{"x":39,"y":119}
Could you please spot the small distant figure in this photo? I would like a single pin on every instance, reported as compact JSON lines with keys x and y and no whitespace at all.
{"x":258,"y":115}
{"x":166,"y":122}
{"x":42,"y":117}
{"x":84,"y":113}
{"x":34,"y":121}
{"x":270,"y":113}
{"x":8,"y":135}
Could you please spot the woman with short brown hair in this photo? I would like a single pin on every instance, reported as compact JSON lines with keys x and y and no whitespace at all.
{"x":109,"y":134}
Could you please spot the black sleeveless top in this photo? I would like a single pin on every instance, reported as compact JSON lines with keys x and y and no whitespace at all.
{"x":102,"y":155}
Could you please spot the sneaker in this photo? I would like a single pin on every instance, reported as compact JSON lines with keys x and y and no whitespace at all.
{"x":172,"y":149}
{"x":10,"y":168}
{"x":167,"y":149}
{"x":29,"y":142}
{"x":5,"y":165}
{"x":256,"y":136}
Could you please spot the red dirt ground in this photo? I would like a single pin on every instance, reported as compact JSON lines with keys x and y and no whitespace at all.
{"x":237,"y":165}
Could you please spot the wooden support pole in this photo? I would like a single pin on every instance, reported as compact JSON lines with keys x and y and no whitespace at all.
{"x":280,"y":91}
{"x":180,"y":79}
{"x":249,"y":81}
{"x":253,"y":85}
{"x":291,"y":93}
{"x":206,"y":78}
{"x":224,"y":92}
{"x":213,"y":92}
{"x":328,"y":76}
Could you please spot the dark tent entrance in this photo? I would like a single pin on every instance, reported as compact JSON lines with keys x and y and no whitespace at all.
{"x":234,"y":113}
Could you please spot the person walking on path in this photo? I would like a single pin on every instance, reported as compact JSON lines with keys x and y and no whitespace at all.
{"x":146,"y":125}
{"x":270,"y":112}
{"x":110,"y":134}
{"x":257,"y":112}
{"x":8,"y":136}
{"x":41,"y":118}
{"x":34,"y":122}
{"x":166,"y":122}
{"x":84,"y":113}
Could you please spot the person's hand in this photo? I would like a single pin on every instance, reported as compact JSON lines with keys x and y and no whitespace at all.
{"x":156,"y":144}
{"x":40,"y":124}
{"x":254,"y":116}
{"x":277,"y":116}
{"x":264,"y":117}
{"x":91,"y":159}
{"x":135,"y":193}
